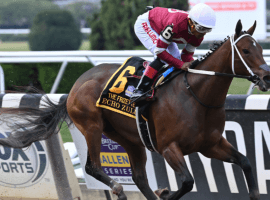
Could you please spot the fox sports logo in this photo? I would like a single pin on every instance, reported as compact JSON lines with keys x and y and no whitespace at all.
{"x":22,"y":167}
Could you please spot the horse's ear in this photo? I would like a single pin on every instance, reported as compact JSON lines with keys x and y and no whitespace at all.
{"x":238,"y":28}
{"x":252,"y":29}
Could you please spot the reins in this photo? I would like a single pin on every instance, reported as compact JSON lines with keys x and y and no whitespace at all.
{"x":253,"y":78}
{"x":194,"y":95}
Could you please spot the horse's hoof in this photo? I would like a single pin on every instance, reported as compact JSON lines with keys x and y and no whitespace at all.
{"x":118,"y":190}
{"x":163,"y":193}
{"x":122,"y":196}
{"x":254,"y":196}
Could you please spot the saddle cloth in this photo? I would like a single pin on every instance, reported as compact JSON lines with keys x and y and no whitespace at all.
{"x":117,"y":92}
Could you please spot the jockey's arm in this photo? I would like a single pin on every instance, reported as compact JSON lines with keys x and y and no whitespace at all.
{"x":164,"y":40}
{"x":187,"y":53}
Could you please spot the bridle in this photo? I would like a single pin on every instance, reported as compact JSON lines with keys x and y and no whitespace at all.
{"x":233,"y":45}
{"x":253,"y":78}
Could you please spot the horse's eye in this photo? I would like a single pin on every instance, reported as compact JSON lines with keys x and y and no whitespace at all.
{"x":245,"y":51}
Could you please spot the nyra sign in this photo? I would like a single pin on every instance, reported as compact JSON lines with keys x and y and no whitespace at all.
{"x":22,"y":167}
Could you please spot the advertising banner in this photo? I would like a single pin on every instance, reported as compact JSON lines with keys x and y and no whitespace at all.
{"x":228,"y":12}
{"x":25,"y":172}
{"x":114,"y":161}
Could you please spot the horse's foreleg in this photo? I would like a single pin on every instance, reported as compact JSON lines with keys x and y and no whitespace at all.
{"x":175,"y":159}
{"x":137,"y":157}
{"x":224,"y":151}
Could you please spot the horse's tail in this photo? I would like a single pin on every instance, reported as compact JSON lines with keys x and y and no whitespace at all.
{"x":29,"y":125}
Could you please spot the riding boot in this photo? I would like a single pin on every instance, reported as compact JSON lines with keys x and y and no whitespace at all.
{"x":142,"y":87}
{"x":146,"y":79}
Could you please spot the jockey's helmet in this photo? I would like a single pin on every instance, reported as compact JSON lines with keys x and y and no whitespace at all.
{"x":203,"y":17}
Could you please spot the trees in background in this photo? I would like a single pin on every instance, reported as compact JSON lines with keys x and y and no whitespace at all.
{"x":42,"y":75}
{"x":55,"y":30}
{"x":112,"y":29}
{"x":113,"y":26}
{"x":82,"y":11}
{"x":51,"y":31}
{"x":20,"y":13}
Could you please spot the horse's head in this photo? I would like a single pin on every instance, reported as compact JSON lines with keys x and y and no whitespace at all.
{"x":247,"y":57}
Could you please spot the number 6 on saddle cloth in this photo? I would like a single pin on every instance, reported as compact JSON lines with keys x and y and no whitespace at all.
{"x":115,"y":96}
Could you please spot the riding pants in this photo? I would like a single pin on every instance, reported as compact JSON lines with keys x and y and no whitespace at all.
{"x":148,"y":37}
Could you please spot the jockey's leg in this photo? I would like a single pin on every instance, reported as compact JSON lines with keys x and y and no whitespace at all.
{"x":147,"y":77}
{"x":149,"y":37}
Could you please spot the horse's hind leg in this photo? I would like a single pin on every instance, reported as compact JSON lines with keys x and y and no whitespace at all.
{"x":224,"y":151}
{"x":175,"y":159}
{"x":93,"y":166}
{"x":89,"y":121}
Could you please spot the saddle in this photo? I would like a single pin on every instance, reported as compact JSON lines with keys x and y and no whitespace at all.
{"x":119,"y":88}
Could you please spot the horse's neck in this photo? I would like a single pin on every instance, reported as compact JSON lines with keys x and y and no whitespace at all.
{"x":212,"y":90}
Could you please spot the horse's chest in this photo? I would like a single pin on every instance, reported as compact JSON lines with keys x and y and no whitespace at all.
{"x":200,"y":142}
{"x":201,"y":135}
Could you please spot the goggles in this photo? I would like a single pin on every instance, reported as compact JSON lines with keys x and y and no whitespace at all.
{"x":201,"y":29}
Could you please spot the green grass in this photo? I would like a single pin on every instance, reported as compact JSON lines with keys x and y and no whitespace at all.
{"x":14,"y":46}
{"x":241,"y":86}
{"x":85,"y":45}
{"x":23,"y":46}
{"x":65,"y":133}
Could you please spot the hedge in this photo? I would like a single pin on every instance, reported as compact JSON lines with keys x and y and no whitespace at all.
{"x":43,"y":75}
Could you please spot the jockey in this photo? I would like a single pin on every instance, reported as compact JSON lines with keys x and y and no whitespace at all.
{"x":161,"y":28}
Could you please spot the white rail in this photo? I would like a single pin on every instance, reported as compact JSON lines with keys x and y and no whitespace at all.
{"x":27,"y":31}
{"x":95,"y":57}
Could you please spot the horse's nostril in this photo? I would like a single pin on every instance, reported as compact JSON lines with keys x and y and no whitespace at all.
{"x":267,"y":79}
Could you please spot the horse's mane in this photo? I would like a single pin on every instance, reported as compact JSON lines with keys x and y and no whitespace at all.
{"x":213,"y":47}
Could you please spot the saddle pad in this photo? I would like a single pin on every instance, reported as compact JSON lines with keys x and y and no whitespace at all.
{"x":117,"y":92}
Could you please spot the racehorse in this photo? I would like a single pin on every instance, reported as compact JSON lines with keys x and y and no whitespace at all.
{"x":180,"y":124}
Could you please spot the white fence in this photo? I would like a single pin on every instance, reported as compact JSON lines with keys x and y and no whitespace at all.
{"x":94,"y":57}
{"x":27,"y":31}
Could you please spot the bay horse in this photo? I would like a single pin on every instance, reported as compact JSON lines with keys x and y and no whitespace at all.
{"x":179,"y":124}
